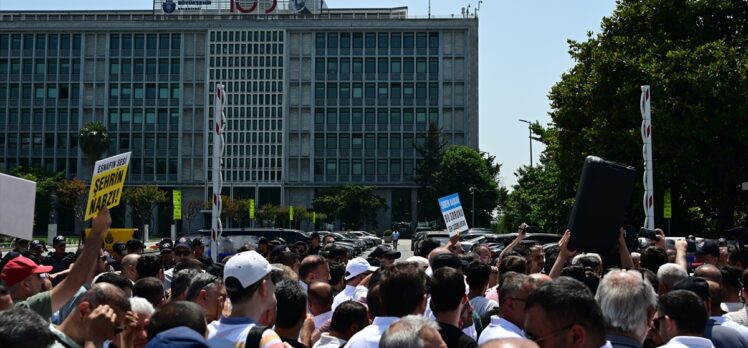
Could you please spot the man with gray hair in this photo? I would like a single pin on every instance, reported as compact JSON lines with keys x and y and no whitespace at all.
{"x":412,"y":331}
{"x":669,"y":274}
{"x":628,"y":303}
{"x":513,"y":293}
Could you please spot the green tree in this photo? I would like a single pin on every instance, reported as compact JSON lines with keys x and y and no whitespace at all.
{"x":94,"y":141}
{"x":190,"y":211}
{"x":694,"y":56}
{"x":72,"y":195}
{"x":461,"y":168}
{"x":354,"y":205}
{"x":234,"y":209}
{"x":142,"y":200}
{"x":268,"y":214}
{"x":46,"y":183}
{"x":431,"y":152}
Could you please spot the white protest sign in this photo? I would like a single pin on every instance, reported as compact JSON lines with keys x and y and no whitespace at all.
{"x":454,"y":218}
{"x":107,"y":183}
{"x":17,"y":206}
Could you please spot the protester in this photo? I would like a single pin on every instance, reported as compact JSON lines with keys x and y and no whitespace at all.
{"x":166,"y":248}
{"x":313,"y":268}
{"x":320,"y":303}
{"x":135,"y":246}
{"x":385,"y":255}
{"x":21,"y":327}
{"x":119,"y":251}
{"x":412,"y":331}
{"x":180,"y":336}
{"x":177,"y":314}
{"x":314,"y":244}
{"x":513,"y":293}
{"x":355,"y":273}
{"x":731,"y":287}
{"x":563,"y":313}
{"x":151,"y":289}
{"x":448,"y":300}
{"x":24,"y":277}
{"x":349,"y":318}
{"x":182,"y":253}
{"x":101,"y":309}
{"x":291,"y":309}
{"x":478,"y":274}
{"x":720,"y":335}
{"x":337,"y":277}
{"x":628,"y":304}
{"x":740,"y":316}
{"x":669,"y":274}
{"x":36,"y":249}
{"x":252,"y":294}
{"x":396,"y":302}
{"x":143,"y":311}
{"x":198,"y":253}
{"x":681,"y":320}
{"x":208,"y":292}
{"x":150,"y":266}
{"x":510,"y":343}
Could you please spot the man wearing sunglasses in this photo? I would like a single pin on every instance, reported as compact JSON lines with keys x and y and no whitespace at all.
{"x":681,"y":320}
{"x":563,"y":313}
{"x":182,"y":252}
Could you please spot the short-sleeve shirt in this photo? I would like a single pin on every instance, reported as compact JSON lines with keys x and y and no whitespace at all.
{"x":234,"y":331}
{"x":40,"y":303}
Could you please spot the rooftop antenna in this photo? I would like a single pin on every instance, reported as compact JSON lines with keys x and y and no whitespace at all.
{"x":467,"y":11}
{"x":429,"y":9}
{"x":462,"y":12}
{"x":477,"y":9}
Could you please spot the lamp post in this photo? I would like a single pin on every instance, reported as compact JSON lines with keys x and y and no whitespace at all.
{"x":472,"y":192}
{"x":529,"y":128}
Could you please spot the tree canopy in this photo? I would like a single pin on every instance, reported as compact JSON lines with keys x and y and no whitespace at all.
{"x":354,"y":205}
{"x":694,"y":56}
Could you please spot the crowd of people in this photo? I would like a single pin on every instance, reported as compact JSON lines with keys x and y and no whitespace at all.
{"x":313,"y":294}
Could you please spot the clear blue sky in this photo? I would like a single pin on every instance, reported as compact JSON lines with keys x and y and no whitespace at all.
{"x":523,"y":52}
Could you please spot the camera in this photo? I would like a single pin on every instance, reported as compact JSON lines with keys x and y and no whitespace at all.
{"x":647,"y":233}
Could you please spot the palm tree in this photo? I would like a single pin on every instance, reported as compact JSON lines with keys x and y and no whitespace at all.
{"x":94,"y":141}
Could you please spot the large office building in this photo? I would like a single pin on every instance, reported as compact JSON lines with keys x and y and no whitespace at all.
{"x":315,"y":97}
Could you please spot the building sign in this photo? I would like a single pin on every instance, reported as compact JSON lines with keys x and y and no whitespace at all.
{"x":252,"y":7}
{"x":454,"y":218}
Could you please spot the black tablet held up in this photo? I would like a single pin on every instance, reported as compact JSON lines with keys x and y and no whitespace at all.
{"x":602,"y":199}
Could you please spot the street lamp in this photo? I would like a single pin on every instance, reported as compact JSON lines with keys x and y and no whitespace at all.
{"x":472,"y":192}
{"x":529,"y":128}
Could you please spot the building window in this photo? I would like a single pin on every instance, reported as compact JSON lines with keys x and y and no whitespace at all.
{"x":320,"y":40}
{"x":371,"y":40}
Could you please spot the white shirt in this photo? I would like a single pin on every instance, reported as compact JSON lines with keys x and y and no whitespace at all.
{"x":355,"y":293}
{"x":470,"y":330}
{"x":327,"y":341}
{"x":369,"y":337}
{"x":688,"y":342}
{"x":742,"y":330}
{"x":500,"y":328}
{"x":321,"y":319}
{"x":481,"y":305}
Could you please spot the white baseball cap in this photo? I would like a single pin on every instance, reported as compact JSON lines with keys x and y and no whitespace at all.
{"x":248,"y":267}
{"x":357,"y":266}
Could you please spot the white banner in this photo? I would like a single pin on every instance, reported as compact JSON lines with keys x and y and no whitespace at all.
{"x":453,"y":215}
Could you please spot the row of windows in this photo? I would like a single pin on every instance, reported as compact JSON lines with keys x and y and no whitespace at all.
{"x":147,"y":91}
{"x":37,"y":141}
{"x":146,"y":166}
{"x":260,"y":175}
{"x":357,"y":141}
{"x":243,"y":62}
{"x":363,"y":167}
{"x":242,"y":150}
{"x":38,"y":116}
{"x":252,"y":137}
{"x":260,"y":36}
{"x":374,"y":40}
{"x":253,"y":86}
{"x":49,"y":41}
{"x":233,"y":112}
{"x":39,"y":91}
{"x":373,"y":65}
{"x":371,"y":116}
{"x":126,"y":67}
{"x":253,"y":163}
{"x":394,"y":90}
{"x":162,"y":41}
{"x":243,"y":74}
{"x":40,"y":66}
{"x":147,"y":141}
{"x":147,"y":116}
{"x":250,"y":49}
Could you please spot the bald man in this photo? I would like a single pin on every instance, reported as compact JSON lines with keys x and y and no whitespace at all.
{"x":540,"y":278}
{"x":708,"y":272}
{"x":129,"y":267}
{"x":320,"y":299}
{"x":510,"y":343}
